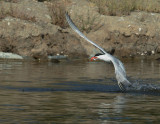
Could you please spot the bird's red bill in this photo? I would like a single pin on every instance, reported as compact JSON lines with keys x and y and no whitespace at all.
{"x":93,"y":58}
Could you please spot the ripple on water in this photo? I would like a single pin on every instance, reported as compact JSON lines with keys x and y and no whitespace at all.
{"x":77,"y":92}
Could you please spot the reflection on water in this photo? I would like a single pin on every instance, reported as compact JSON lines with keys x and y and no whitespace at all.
{"x":77,"y":92}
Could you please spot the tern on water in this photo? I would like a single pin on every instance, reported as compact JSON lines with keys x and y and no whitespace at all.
{"x":118,"y":65}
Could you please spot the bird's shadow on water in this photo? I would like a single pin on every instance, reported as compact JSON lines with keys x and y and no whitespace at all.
{"x":100,"y":85}
{"x":108,"y":85}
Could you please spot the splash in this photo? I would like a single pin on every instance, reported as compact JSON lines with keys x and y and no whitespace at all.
{"x":145,"y":87}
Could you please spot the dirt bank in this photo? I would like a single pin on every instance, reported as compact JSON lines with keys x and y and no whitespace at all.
{"x":28,"y":29}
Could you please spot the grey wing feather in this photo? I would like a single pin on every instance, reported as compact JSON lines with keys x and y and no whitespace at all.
{"x":81,"y":34}
{"x":119,"y":66}
{"x":120,"y":74}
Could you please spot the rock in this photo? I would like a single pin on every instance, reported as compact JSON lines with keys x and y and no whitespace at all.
{"x":4,"y":55}
{"x":57,"y":57}
{"x":27,"y":30}
{"x":27,"y":10}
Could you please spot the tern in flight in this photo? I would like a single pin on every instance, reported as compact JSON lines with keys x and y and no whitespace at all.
{"x":118,"y":65}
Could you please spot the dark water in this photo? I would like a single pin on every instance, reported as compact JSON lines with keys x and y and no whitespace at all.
{"x":78,"y":93}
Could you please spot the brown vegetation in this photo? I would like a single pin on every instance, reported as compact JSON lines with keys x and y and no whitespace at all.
{"x":89,"y":22}
{"x":124,"y":7}
{"x":57,"y":13}
{"x":8,"y":45}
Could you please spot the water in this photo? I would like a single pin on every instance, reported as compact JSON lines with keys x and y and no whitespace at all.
{"x":78,"y":92}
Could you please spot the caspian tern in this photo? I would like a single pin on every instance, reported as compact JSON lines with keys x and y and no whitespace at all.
{"x":118,"y":65}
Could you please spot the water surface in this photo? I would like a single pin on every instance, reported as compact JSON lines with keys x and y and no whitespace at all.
{"x":78,"y":92}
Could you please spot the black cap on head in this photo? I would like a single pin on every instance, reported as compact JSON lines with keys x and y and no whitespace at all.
{"x":98,"y":54}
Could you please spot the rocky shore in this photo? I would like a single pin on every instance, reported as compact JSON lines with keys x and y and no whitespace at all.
{"x":27,"y":29}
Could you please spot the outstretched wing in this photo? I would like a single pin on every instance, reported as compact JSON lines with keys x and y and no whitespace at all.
{"x":116,"y":61}
{"x":118,"y":65}
{"x":81,"y":34}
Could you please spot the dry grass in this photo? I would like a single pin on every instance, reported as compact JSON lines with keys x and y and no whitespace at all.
{"x":148,"y":5}
{"x":89,"y":22}
{"x":124,"y":7}
{"x":57,"y":13}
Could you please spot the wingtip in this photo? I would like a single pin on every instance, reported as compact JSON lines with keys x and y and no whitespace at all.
{"x":66,"y":14}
